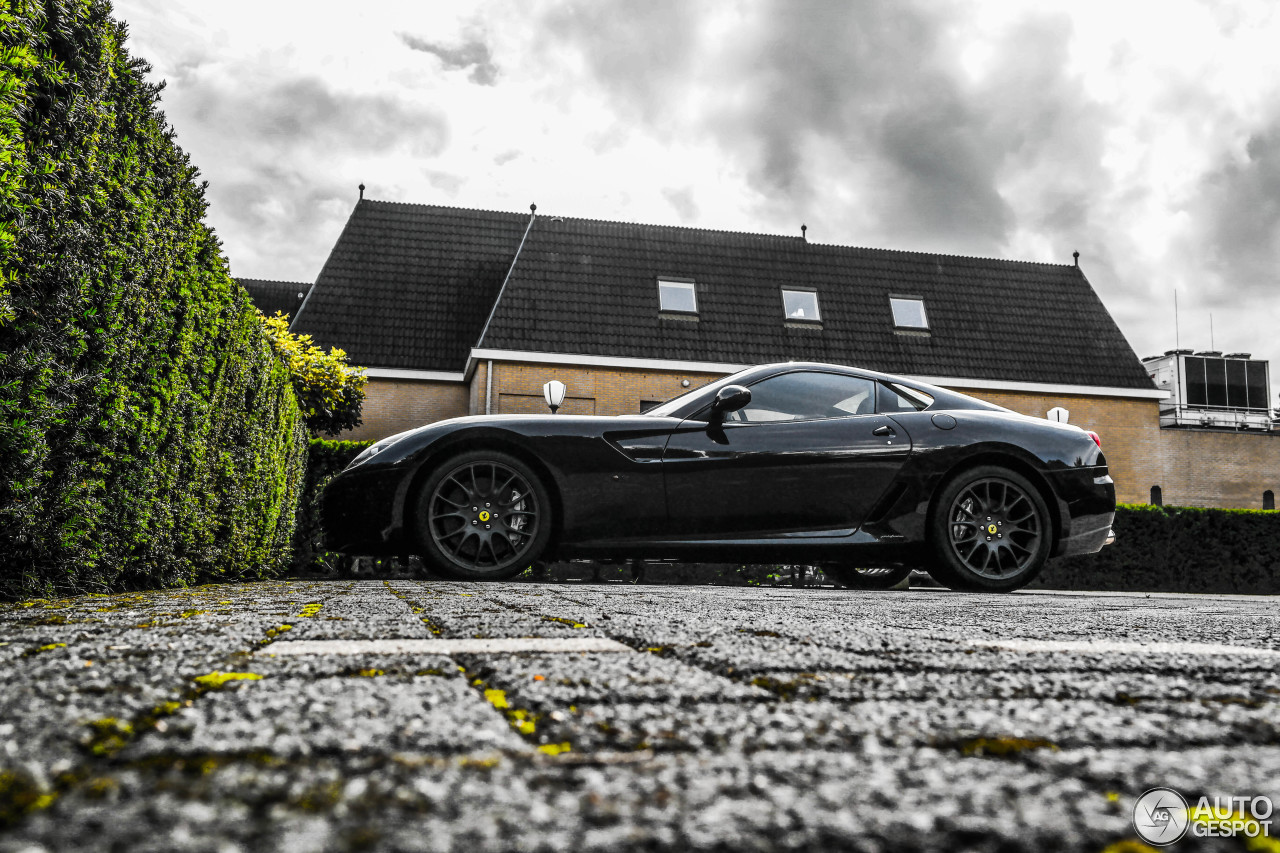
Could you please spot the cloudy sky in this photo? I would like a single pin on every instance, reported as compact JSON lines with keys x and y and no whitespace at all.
{"x":1145,"y":135}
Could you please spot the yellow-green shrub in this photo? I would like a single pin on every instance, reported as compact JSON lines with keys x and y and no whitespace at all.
{"x":329,"y":390}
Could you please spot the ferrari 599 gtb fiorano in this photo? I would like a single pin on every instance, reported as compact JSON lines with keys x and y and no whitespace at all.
{"x":864,"y":474}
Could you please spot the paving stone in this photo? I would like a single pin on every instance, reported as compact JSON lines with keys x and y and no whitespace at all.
{"x":737,"y":719}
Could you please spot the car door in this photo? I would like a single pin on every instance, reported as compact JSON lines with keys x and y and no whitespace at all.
{"x":808,"y":453}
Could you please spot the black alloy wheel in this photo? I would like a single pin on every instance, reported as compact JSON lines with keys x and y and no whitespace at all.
{"x":990,"y":531}
{"x":484,"y":515}
{"x":859,"y":577}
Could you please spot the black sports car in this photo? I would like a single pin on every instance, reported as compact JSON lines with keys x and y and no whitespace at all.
{"x":865,"y":474}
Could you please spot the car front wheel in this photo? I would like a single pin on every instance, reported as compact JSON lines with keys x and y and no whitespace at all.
{"x":483,"y":515}
{"x":990,"y":531}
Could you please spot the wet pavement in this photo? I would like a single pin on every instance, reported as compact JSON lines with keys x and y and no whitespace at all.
{"x":699,"y":718}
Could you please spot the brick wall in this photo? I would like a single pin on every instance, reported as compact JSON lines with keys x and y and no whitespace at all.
{"x":1192,"y":467}
{"x":599,"y":391}
{"x":395,"y":405}
{"x":1218,"y":469}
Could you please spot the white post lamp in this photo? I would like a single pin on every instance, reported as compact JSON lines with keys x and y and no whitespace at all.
{"x":553,"y":393}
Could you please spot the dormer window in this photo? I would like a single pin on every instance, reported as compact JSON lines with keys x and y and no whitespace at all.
{"x":800,"y":305}
{"x":677,"y":296}
{"x":908,"y":313}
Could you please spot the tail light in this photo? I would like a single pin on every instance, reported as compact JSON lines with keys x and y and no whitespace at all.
{"x":1097,"y":439}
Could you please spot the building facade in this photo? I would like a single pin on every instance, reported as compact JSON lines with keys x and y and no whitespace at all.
{"x":457,"y":312}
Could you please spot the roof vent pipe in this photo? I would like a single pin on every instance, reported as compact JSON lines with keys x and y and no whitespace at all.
{"x":804,"y":232}
{"x":533,"y":214}
{"x":362,"y":192}
{"x":1076,"y":255}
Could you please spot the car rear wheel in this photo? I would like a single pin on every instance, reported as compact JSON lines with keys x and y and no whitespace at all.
{"x":860,"y":577}
{"x":990,"y":531}
{"x":483,"y":515}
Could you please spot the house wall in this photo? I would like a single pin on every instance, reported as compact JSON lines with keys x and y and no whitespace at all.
{"x":395,"y":405}
{"x":1223,"y":469}
{"x":1192,"y":467}
{"x":517,"y":388}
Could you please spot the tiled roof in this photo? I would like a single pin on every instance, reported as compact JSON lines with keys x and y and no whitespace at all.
{"x":590,"y":287}
{"x":272,"y":296}
{"x":411,"y":286}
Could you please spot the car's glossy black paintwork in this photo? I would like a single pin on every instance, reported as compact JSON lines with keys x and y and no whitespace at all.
{"x":677,"y":484}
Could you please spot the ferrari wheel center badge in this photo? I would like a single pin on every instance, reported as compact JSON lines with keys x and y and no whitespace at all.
{"x":484,"y":515}
{"x":992,"y":529}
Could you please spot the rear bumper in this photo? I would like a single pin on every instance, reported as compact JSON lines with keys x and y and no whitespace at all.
{"x":1087,"y":499}
{"x":361,"y":512}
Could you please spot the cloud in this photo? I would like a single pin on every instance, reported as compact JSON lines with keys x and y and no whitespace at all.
{"x":682,"y":201}
{"x":273,"y":210}
{"x":473,"y":54}
{"x":284,"y":180}
{"x":646,"y":53}
{"x":1239,"y":207}
{"x":305,"y":112}
{"x":858,"y":112}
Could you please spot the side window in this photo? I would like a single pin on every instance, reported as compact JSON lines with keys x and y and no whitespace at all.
{"x":894,"y":398}
{"x":807,"y":395}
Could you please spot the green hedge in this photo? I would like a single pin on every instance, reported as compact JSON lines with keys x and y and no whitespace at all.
{"x":1179,"y":549}
{"x":148,"y":435}
{"x":324,"y":459}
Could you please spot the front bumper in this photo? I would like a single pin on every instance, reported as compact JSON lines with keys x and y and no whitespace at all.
{"x":362,"y":512}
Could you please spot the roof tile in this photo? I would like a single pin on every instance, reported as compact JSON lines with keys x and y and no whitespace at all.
{"x":412,"y":285}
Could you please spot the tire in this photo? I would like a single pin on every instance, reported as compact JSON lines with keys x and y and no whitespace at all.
{"x":853,"y":577}
{"x":482,"y":516}
{"x":990,"y":531}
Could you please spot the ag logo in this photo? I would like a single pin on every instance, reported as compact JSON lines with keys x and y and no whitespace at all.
{"x":484,"y":515}
{"x":1160,"y":816}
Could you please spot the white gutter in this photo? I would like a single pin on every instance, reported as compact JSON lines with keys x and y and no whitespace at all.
{"x":420,"y":375}
{"x":488,"y":388}
{"x":479,"y":354}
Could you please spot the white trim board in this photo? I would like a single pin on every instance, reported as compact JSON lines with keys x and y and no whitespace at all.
{"x":1042,"y":388}
{"x":401,"y":373}
{"x":724,"y":367}
{"x":603,"y":361}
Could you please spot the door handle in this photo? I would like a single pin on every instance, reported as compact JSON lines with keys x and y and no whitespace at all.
{"x":883,"y":430}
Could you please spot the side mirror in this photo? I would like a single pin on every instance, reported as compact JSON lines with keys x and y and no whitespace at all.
{"x":730,"y":398}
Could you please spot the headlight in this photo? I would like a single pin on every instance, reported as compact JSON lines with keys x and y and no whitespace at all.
{"x":369,"y":452}
{"x":382,"y":444}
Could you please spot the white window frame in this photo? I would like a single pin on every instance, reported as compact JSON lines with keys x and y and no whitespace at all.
{"x":807,"y":291}
{"x":684,"y":284}
{"x":924,"y":312}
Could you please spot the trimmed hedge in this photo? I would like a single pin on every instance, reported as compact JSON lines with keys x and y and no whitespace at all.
{"x":325,"y":458}
{"x":1179,"y":549}
{"x":148,"y":434}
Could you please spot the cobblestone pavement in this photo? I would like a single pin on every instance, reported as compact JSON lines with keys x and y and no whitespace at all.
{"x":732,"y":719}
